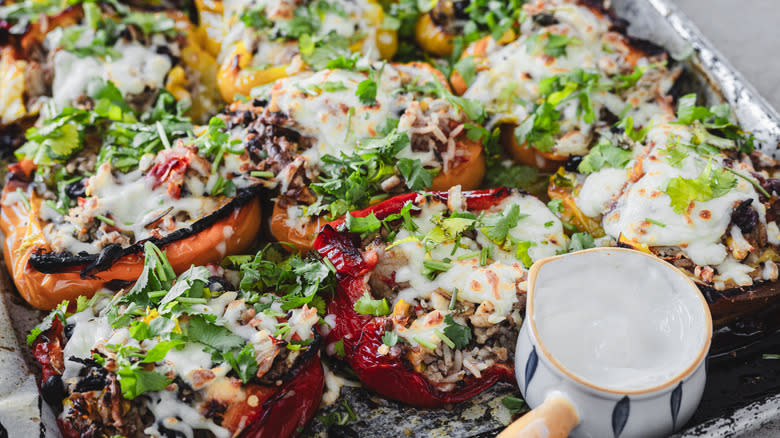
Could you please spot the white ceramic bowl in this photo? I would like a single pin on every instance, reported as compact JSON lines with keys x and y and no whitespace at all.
{"x":603,"y":409}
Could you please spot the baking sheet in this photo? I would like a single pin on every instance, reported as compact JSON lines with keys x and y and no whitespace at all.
{"x":23,"y":414}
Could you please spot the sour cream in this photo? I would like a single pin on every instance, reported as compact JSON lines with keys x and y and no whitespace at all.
{"x":614,"y":328}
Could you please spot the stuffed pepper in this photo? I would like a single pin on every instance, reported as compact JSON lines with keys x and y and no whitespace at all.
{"x":95,"y":182}
{"x":432,"y":289}
{"x":342,"y":139}
{"x":568,"y":73}
{"x":195,"y":355}
{"x":691,"y":191}
{"x":55,"y":53}
{"x":444,"y":26}
{"x":266,"y":41}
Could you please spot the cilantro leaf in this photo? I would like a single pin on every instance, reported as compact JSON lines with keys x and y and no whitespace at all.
{"x":135,"y":381}
{"x":365,"y":305}
{"x":710,"y":184}
{"x":365,"y":224}
{"x":243,"y":362}
{"x":466,"y":68}
{"x":688,"y":112}
{"x":460,"y":335}
{"x":555,"y":205}
{"x":338,"y":347}
{"x":190,"y":283}
{"x":199,"y":329}
{"x":604,"y":154}
{"x":497,"y":227}
{"x":160,"y":350}
{"x":366,"y":92}
{"x":389,"y":338}
{"x":416,"y":176}
{"x":556,"y":44}
{"x":514,"y":404}
{"x":580,"y":241}
{"x":522,"y":252}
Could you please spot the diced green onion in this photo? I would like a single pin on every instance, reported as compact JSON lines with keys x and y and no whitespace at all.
{"x":54,"y":207}
{"x":454,"y":299}
{"x":261,"y":174}
{"x":484,"y":255}
{"x":435,"y":265}
{"x":655,"y":222}
{"x":105,"y":219}
{"x":770,"y":356}
{"x":444,"y":338}
{"x":425,"y":344}
{"x":467,"y":256}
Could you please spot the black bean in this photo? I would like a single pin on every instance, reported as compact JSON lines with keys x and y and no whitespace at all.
{"x":745,"y":217}
{"x":53,"y":390}
{"x":68,"y":330}
{"x":94,"y":380}
{"x":219,"y":284}
{"x":573,"y":163}
{"x":545,"y":19}
{"x":76,"y":189}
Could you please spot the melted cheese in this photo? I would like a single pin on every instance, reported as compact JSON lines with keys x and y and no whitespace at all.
{"x":138,"y":68}
{"x":334,"y":119}
{"x":698,"y":232}
{"x":598,"y":189}
{"x":496,"y":283}
{"x":132,"y":201}
{"x":92,"y":333}
{"x":345,"y":18}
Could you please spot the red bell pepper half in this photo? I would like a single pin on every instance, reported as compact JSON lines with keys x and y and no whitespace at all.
{"x":389,"y":375}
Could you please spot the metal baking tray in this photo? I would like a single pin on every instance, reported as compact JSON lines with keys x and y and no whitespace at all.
{"x":742,"y":397}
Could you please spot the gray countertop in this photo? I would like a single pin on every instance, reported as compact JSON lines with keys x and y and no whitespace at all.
{"x":747,"y":32}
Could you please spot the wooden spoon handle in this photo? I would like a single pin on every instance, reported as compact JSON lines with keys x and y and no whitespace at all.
{"x":555,"y":418}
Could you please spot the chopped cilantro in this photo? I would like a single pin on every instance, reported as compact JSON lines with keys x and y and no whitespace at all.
{"x":366,"y":92}
{"x":555,"y":205}
{"x":460,"y":335}
{"x":365,"y":305}
{"x":604,"y":154}
{"x":365,"y":224}
{"x":710,"y":184}
{"x":201,"y":330}
{"x":497,"y":228}
{"x":338,"y":347}
{"x":580,"y":241}
{"x":416,"y":176}
{"x":243,"y":362}
{"x":135,"y":381}
{"x":514,"y":404}
{"x":466,"y":68}
{"x":389,"y":338}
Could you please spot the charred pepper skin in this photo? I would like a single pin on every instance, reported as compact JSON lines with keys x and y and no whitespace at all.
{"x":389,"y":375}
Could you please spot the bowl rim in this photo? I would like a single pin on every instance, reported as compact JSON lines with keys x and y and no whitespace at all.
{"x":536,"y":339}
